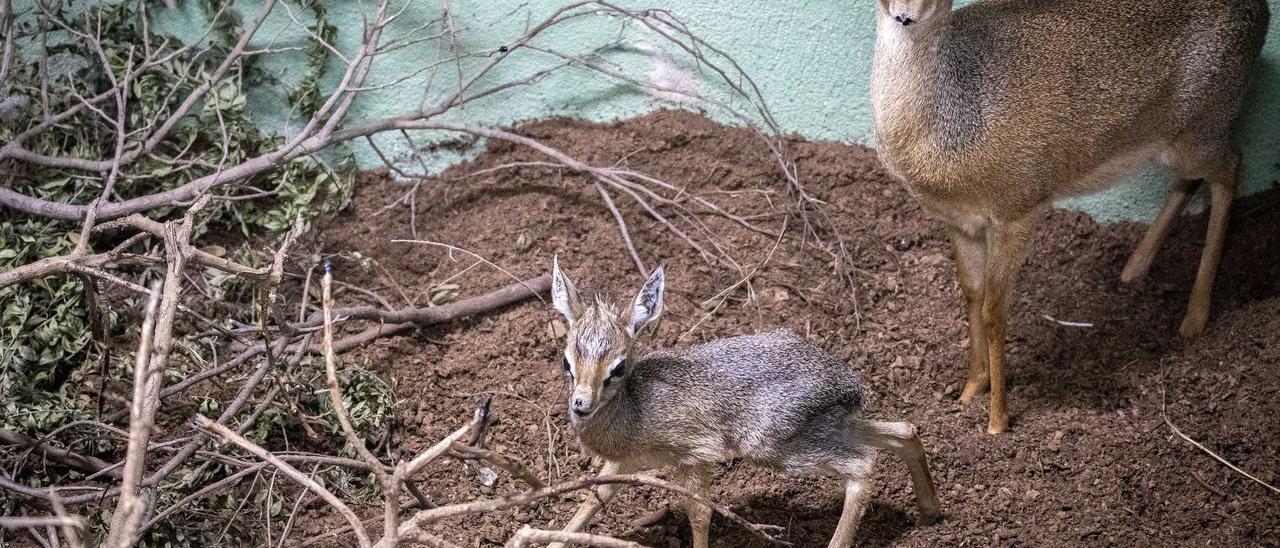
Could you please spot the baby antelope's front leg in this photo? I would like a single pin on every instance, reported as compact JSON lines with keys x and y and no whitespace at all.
{"x":595,"y":501}
{"x":696,"y":479}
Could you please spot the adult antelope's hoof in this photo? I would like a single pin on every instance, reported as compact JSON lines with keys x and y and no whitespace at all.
{"x":1193,"y":324}
{"x":973,"y":388}
{"x":997,"y":426}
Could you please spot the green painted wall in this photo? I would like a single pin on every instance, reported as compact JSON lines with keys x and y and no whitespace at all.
{"x":811,"y":59}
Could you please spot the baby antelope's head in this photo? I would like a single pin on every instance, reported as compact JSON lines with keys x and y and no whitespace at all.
{"x":598,"y":347}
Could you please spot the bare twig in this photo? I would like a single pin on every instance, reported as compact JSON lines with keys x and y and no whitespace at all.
{"x":1066,"y":323}
{"x":390,"y":482}
{"x":40,"y":522}
{"x":69,"y":531}
{"x":622,"y":226}
{"x":513,"y":467}
{"x":432,"y":315}
{"x":1177,"y":431}
{"x":417,"y":463}
{"x":410,"y":527}
{"x":83,"y":463}
{"x":719,"y":299}
{"x":203,"y":492}
{"x":293,"y":473}
{"x":331,"y":372}
{"x":124,"y":522}
{"x":528,"y":534}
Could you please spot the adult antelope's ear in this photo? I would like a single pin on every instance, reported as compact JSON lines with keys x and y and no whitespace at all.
{"x":563,"y":295}
{"x":648,"y":303}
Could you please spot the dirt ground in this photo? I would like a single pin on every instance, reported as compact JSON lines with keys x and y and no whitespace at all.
{"x":1088,"y":461}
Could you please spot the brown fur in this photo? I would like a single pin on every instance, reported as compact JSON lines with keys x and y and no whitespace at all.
{"x":990,"y":112}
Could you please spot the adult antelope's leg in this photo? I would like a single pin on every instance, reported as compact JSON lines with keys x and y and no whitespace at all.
{"x":1007,"y":246}
{"x":594,"y":501}
{"x":971,"y":259}
{"x":696,"y":478}
{"x":1222,"y":187}
{"x":901,"y":439}
{"x":1140,"y":262}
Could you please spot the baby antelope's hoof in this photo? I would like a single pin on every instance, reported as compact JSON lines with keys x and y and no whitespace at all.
{"x":930,"y":517}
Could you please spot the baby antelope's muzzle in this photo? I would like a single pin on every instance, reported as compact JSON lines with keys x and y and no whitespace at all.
{"x":581,"y":402}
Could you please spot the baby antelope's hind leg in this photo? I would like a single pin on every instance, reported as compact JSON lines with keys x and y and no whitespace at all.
{"x":595,"y":501}
{"x":696,"y":479}
{"x":857,"y":491}
{"x":901,"y":439}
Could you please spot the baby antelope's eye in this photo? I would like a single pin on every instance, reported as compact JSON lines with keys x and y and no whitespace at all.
{"x":566,"y":365}
{"x":617,"y":372}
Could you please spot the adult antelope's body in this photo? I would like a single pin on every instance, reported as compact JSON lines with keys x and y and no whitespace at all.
{"x":990,"y":112}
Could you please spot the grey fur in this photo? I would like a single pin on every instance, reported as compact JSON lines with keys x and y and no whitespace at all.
{"x":774,"y":399}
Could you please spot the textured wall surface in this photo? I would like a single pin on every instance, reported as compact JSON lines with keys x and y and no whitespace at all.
{"x":810,"y":58}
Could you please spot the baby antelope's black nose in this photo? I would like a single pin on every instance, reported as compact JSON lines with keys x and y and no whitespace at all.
{"x":581,"y":408}
{"x":905,"y":20}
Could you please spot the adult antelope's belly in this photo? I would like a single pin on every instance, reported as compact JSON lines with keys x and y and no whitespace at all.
{"x":1112,"y":170}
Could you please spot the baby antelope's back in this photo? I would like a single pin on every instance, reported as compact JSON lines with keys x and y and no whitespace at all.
{"x":747,"y":396}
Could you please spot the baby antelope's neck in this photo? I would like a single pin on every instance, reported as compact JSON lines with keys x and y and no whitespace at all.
{"x":610,"y":430}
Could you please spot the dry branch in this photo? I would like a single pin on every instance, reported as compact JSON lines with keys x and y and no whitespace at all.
{"x":412,"y":526}
{"x":69,"y":530}
{"x":426,"y":316}
{"x":37,"y":522}
{"x":83,"y":463}
{"x":390,"y":482}
{"x":203,"y":492}
{"x":391,"y":322}
{"x":293,"y":473}
{"x":513,"y":467}
{"x":1177,"y":431}
{"x":528,"y":534}
{"x":129,"y":509}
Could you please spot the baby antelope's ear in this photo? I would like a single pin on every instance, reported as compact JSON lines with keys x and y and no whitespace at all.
{"x":563,"y":295}
{"x":648,"y":304}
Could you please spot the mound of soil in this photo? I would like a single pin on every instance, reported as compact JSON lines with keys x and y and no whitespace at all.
{"x":1089,"y":459}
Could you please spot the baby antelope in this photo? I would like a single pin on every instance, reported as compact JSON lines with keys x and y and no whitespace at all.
{"x":774,"y":399}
